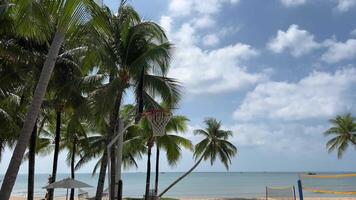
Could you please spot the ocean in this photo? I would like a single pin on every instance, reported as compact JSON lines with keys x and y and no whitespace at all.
{"x":197,"y":184}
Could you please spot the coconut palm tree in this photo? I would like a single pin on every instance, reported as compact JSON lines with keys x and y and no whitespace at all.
{"x":133,"y":147}
{"x":66,"y":92}
{"x":23,"y":56}
{"x":135,"y":55}
{"x":68,"y":15}
{"x":172,"y":143}
{"x":343,"y":131}
{"x":75,"y":139}
{"x":214,"y":144}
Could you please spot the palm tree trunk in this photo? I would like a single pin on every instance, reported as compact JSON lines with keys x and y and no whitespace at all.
{"x":31,"y":164}
{"x":113,"y":174}
{"x":148,"y":173}
{"x":180,"y":178}
{"x":72,"y":166}
{"x":101,"y":179}
{"x":157,"y":170}
{"x":31,"y":116}
{"x":114,"y":127}
{"x":56,"y":152}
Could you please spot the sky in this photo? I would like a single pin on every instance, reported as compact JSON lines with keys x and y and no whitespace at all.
{"x":273,"y":72}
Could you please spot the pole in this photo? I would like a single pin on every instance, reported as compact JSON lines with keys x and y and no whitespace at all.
{"x":67,"y":195}
{"x":266,"y":193}
{"x":108,"y":149}
{"x":120,"y":144}
{"x":109,"y":170}
{"x":300,"y":189}
{"x":295,"y":198}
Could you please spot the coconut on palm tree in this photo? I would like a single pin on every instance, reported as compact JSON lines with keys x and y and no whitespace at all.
{"x":343,"y":131}
{"x":215,"y":143}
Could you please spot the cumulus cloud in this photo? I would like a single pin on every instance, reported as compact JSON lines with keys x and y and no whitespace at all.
{"x":345,"y":5}
{"x":203,"y":22}
{"x":318,"y":95}
{"x":214,"y":71}
{"x":187,"y":7}
{"x":210,"y":40}
{"x":339,"y":51}
{"x":266,"y":134}
{"x":209,"y":71}
{"x":292,"y":3}
{"x":295,"y":40}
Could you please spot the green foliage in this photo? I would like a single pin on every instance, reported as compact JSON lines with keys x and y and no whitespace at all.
{"x":215,"y":143}
{"x":343,"y":131}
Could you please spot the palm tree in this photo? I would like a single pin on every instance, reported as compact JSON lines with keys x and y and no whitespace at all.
{"x":97,"y":142}
{"x":40,"y":143}
{"x":135,"y":55}
{"x":215,"y":143}
{"x":172,"y":143}
{"x":65,"y":92}
{"x":344,"y":131}
{"x":75,"y":139}
{"x":20,"y":60}
{"x":68,"y":15}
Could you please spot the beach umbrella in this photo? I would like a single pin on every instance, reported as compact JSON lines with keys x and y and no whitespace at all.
{"x":67,"y":183}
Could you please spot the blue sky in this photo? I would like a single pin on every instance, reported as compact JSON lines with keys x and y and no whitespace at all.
{"x":273,"y":71}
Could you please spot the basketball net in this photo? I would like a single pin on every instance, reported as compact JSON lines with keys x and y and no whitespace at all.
{"x":158,"y":120}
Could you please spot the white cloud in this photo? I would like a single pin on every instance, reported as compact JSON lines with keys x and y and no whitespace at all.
{"x":345,"y":5}
{"x":166,"y":23}
{"x":203,"y":22}
{"x":318,"y":95}
{"x":209,"y":71}
{"x":295,"y":40}
{"x":292,"y":3}
{"x":206,"y":7}
{"x":180,"y":7}
{"x":210,"y":40}
{"x":266,"y":134}
{"x":214,"y":71}
{"x":339,"y":51}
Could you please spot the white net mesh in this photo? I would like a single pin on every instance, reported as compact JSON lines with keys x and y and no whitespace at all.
{"x":158,"y":120}
{"x":280,"y":193}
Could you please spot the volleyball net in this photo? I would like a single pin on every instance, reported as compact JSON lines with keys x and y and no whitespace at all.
{"x":280,"y":193}
{"x":337,"y":184}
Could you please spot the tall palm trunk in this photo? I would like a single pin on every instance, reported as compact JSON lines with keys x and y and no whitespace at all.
{"x":31,"y":116}
{"x":148,"y":173}
{"x":114,"y":127}
{"x":31,"y":164}
{"x":180,"y":178}
{"x":157,"y":169}
{"x":101,"y":179}
{"x":72,"y":169}
{"x":56,"y":152}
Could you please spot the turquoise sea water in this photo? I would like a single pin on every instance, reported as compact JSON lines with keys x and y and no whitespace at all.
{"x":198,"y":184}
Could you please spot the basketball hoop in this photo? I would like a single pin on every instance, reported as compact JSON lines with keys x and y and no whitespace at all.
{"x":158,"y":120}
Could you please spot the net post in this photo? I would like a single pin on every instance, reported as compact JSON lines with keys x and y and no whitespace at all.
{"x":266,"y":193}
{"x":300,"y":189}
